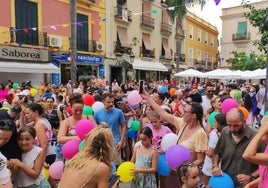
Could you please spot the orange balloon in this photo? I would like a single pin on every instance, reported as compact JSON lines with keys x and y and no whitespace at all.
{"x":172,"y":91}
{"x":245,"y":112}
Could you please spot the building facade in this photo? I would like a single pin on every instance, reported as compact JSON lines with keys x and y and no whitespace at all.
{"x":237,"y":32}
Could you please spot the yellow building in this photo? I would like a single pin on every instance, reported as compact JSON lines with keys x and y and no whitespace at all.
{"x":201,"y":43}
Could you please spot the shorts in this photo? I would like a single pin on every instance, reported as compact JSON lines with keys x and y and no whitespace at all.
{"x":43,"y":184}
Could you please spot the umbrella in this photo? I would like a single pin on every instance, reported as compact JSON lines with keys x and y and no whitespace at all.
{"x":190,"y":73}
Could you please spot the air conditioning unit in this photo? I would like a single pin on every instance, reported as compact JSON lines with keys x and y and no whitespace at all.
{"x":100,"y":46}
{"x":54,"y":41}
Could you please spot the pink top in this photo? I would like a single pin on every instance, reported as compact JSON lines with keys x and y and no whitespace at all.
{"x":263,"y":172}
{"x":3,"y":94}
{"x":158,"y":135}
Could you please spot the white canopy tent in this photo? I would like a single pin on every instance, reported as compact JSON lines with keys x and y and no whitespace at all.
{"x":190,"y":73}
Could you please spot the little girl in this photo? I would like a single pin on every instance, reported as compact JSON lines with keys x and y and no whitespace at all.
{"x":145,"y":159}
{"x":30,"y":173}
{"x":189,"y":175}
{"x":5,"y":175}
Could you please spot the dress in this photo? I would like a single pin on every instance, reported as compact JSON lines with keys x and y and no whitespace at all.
{"x":144,"y":180}
{"x":263,"y":172}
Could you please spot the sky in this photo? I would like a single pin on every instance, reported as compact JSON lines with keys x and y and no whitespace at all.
{"x":212,"y":12}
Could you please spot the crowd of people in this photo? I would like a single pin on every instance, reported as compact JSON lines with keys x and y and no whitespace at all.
{"x":34,"y":126}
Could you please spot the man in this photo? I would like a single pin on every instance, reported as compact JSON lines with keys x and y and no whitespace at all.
{"x":230,"y":148}
{"x":116,"y":121}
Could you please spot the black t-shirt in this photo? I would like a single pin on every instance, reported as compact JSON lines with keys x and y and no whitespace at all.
{"x":4,"y":115}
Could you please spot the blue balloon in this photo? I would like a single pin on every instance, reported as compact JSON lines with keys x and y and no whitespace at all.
{"x":132,"y":134}
{"x":164,"y":89}
{"x":162,"y":166}
{"x":224,"y":181}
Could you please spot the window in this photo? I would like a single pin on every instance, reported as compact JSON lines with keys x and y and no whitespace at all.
{"x":212,"y":60}
{"x":206,"y":38}
{"x":26,"y":13}
{"x":82,"y":33}
{"x":241,"y":30}
{"x":206,"y":59}
{"x":199,"y":34}
{"x":190,"y":57}
{"x":212,"y":41}
{"x":191,"y":32}
{"x":198,"y":55}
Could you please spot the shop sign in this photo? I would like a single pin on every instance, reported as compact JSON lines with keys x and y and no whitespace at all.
{"x":23,"y":54}
{"x":89,"y":59}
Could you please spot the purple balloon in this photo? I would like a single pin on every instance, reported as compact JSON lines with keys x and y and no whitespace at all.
{"x":176,"y":155}
{"x":217,"y":1}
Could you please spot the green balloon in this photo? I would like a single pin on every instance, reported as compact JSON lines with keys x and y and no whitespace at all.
{"x":266,"y":113}
{"x":15,"y":85}
{"x":135,"y":125}
{"x":81,"y":145}
{"x":87,"y":110}
{"x":211,"y":118}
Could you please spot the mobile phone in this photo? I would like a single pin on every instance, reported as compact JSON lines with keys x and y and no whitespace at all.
{"x":113,"y":180}
{"x":141,"y":86}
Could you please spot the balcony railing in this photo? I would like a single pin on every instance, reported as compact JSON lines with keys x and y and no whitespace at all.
{"x":122,"y":14}
{"x":147,"y":22}
{"x":241,"y":37}
{"x":180,"y":34}
{"x":166,"y":29}
{"x":86,"y":45}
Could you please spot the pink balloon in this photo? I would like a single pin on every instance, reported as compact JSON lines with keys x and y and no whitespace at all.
{"x":176,"y":155}
{"x":70,"y":148}
{"x":56,"y":170}
{"x":134,"y":97}
{"x":83,"y":127}
{"x":227,"y":105}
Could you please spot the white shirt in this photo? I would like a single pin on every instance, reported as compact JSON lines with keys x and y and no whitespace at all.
{"x":4,"y":171}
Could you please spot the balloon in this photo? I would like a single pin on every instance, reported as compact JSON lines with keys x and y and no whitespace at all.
{"x":176,"y":155}
{"x":164,"y":89}
{"x":33,"y":91}
{"x":224,"y":181}
{"x":266,"y":113}
{"x":135,"y":125}
{"x":217,"y":1}
{"x":5,"y":108}
{"x":69,"y":110}
{"x":56,"y":170}
{"x":211,"y":118}
{"x":46,"y":172}
{"x":89,"y":100}
{"x":162,"y":166}
{"x":83,"y":127}
{"x":134,"y":97}
{"x":227,"y":105}
{"x":15,"y":85}
{"x":87,"y":110}
{"x":172,"y":91}
{"x":245,"y":112}
{"x":132,"y":134}
{"x":124,"y":171}
{"x":81,"y":145}
{"x":64,"y":94}
{"x":97,"y":106}
{"x":169,"y":140}
{"x":70,"y":148}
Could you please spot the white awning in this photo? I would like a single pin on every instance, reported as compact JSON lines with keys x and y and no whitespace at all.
{"x":28,"y":67}
{"x":148,"y":65}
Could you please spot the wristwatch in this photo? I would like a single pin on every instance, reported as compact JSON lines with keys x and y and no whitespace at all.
{"x":251,"y":177}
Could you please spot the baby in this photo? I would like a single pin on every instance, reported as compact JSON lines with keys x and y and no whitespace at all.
{"x":5,"y":175}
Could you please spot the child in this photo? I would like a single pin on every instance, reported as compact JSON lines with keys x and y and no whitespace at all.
{"x":145,"y":159}
{"x":30,"y":173}
{"x":5,"y":175}
{"x":189,"y":176}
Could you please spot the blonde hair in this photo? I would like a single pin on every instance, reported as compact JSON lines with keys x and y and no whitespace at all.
{"x":98,"y":146}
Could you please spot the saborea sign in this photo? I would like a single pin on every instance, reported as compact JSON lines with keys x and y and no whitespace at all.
{"x":23,"y":54}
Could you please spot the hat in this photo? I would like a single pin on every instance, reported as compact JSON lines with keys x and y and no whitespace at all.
{"x":23,"y":93}
{"x":16,"y":109}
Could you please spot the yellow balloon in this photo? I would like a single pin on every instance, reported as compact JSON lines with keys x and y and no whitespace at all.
{"x":33,"y":91}
{"x":124,"y":170}
{"x":64,"y":94}
{"x":5,"y":108}
{"x":46,"y":172}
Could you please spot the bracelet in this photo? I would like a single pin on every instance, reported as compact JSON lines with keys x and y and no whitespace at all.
{"x":214,"y":166}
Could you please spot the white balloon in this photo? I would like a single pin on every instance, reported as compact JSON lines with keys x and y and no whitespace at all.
{"x":97,"y":106}
{"x":169,"y":140}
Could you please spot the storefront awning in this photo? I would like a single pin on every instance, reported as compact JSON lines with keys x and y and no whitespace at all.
{"x":149,"y":66}
{"x":28,"y":67}
{"x":122,"y":35}
{"x":166,"y":48}
{"x":147,"y":42}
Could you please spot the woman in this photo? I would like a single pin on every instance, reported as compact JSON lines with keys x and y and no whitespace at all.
{"x":91,"y":167}
{"x":191,"y":133}
{"x":67,"y":126}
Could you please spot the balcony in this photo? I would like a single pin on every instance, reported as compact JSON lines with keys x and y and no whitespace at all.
{"x":180,"y":34}
{"x":120,"y":49}
{"x":164,"y":3}
{"x":147,"y":22}
{"x":122,"y":14}
{"x":86,"y":45}
{"x":166,"y":29}
{"x":241,"y":37}
{"x":89,"y":2}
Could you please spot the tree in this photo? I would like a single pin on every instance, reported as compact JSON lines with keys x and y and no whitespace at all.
{"x":258,"y":19}
{"x":243,"y":62}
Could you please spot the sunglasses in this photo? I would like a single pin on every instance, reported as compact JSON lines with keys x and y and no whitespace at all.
{"x":210,"y":91}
